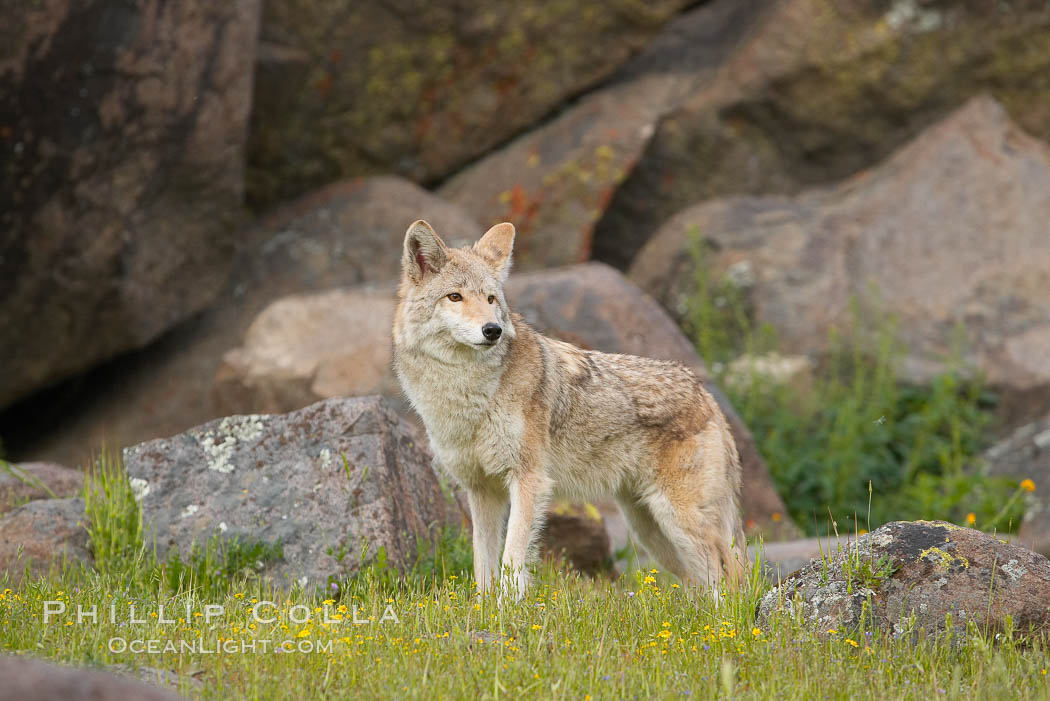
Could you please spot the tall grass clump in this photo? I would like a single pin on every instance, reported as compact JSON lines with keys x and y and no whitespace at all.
{"x":113,"y":517}
{"x":856,"y":421}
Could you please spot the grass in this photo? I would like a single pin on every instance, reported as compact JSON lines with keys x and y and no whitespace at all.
{"x":639,"y":637}
{"x":429,"y":634}
{"x":856,"y":423}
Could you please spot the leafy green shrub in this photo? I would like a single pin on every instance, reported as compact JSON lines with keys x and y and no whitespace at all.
{"x":858,"y":423}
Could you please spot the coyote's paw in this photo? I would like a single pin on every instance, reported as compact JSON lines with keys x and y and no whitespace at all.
{"x":512,"y":586}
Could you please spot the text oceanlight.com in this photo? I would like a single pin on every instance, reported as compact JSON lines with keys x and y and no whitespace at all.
{"x":200,"y":646}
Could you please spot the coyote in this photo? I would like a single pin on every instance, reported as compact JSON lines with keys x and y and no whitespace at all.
{"x":518,"y":418}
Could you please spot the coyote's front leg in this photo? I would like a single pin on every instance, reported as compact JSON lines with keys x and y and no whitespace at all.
{"x":529,"y":494}
{"x":487,"y":511}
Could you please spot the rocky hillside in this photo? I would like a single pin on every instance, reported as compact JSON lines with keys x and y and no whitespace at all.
{"x":202,"y":205}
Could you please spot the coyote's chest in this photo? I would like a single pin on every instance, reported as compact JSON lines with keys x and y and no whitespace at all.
{"x":455,"y":405}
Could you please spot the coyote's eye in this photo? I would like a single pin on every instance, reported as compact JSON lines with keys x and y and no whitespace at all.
{"x":492,"y":298}
{"x":455,"y":297}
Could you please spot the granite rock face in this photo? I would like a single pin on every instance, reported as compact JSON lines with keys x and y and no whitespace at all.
{"x":555,"y":181}
{"x":820,"y":91}
{"x":122,"y":177}
{"x":419,"y":88}
{"x":328,"y":485}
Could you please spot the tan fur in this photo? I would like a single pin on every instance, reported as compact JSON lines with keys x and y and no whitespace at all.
{"x":530,"y":419}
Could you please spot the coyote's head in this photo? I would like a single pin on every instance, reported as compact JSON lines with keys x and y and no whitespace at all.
{"x":453,"y":298}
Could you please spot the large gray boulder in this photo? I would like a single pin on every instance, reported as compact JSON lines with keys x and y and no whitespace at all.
{"x":28,"y":678}
{"x":819,"y":91}
{"x":925,"y":569}
{"x":123,"y":134}
{"x":329,"y":484}
{"x":949,"y":236}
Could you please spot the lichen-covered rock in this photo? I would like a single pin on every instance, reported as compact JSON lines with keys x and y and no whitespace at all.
{"x":28,"y":678}
{"x":927,"y":569}
{"x":122,"y":135}
{"x":949,"y":235}
{"x":326,"y":485}
{"x":44,"y":534}
{"x":822,"y":90}
{"x":418,"y":88}
{"x":22,"y":482}
{"x":555,"y":181}
{"x":1025,"y":455}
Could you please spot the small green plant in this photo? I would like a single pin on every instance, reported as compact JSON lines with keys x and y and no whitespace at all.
{"x":446,"y":553}
{"x":857,"y":421}
{"x":210,"y":569}
{"x":114,"y":519}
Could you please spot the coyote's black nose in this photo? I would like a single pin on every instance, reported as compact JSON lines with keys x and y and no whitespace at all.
{"x":491,"y":331}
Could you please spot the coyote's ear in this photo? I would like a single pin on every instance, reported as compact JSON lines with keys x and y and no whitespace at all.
{"x":424,"y":252}
{"x":495,"y":247}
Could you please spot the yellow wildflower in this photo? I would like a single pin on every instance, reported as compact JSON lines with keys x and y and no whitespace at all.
{"x":852,"y":642}
{"x":971,"y":518}
{"x":1028,"y":485}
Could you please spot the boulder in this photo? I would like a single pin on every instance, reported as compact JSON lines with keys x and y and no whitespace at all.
{"x":27,"y":481}
{"x":948,"y":235}
{"x":123,"y":136}
{"x":1025,"y":455}
{"x":349,"y":88}
{"x":43,"y":535}
{"x":326,"y":487}
{"x":576,"y":533}
{"x":307,"y":347}
{"x":820,"y":91}
{"x":926,"y":569}
{"x":555,"y":181}
{"x":303,"y":349}
{"x":349,"y":233}
{"x":28,"y":678}
{"x":780,"y":559}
